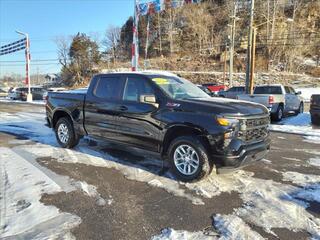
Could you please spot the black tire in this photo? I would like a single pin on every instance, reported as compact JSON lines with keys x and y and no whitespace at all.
{"x":204,"y":163}
{"x":278,"y":115}
{"x":72,"y":138}
{"x":300,"y":109}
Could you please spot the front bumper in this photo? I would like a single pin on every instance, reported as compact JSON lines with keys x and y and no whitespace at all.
{"x":240,"y":155}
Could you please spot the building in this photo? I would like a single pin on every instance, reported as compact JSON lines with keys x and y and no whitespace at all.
{"x":52,"y":79}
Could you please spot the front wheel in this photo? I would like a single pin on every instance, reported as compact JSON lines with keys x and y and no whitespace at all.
{"x":189,"y":159}
{"x":65,"y":134}
{"x":300,"y":109}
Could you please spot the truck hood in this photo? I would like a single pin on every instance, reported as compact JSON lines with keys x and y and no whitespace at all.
{"x":224,"y":106}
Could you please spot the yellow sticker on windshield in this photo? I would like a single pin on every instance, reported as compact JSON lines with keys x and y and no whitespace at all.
{"x":160,"y":81}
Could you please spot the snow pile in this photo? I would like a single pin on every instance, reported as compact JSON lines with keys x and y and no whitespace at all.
{"x":314,"y":162}
{"x":22,"y":185}
{"x":306,"y":93}
{"x":310,"y":184}
{"x":233,"y":227}
{"x":300,"y":124}
{"x":312,"y":139}
{"x":171,"y":234}
{"x":91,"y":191}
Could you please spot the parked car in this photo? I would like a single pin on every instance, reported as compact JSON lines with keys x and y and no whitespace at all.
{"x":232,"y":92}
{"x":21,"y":93}
{"x":214,"y":87}
{"x":206,"y":90}
{"x":12,"y":93}
{"x":3,"y":93}
{"x":166,"y":114}
{"x":279,"y":99}
{"x":315,"y":109}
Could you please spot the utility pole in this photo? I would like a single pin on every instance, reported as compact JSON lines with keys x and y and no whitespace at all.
{"x":225,"y":64}
{"x":233,"y":28}
{"x":37,"y":75}
{"x":249,"y":49}
{"x":159,"y":29}
{"x":27,"y":54}
{"x":253,"y":59}
{"x":135,"y":40}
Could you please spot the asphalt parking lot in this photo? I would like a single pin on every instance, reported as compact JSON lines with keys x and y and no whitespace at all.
{"x":118,"y":193}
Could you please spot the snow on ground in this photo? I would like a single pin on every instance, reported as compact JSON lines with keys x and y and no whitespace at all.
{"x":266,"y":203}
{"x":23,"y":216}
{"x":310,"y":185}
{"x":300,"y":124}
{"x":312,"y":139}
{"x":171,"y":234}
{"x":36,"y":102}
{"x":314,"y":162}
{"x":227,"y":227}
{"x":307,"y":92}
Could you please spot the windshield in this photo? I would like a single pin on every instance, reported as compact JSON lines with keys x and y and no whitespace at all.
{"x":268,"y":90}
{"x":178,"y":88}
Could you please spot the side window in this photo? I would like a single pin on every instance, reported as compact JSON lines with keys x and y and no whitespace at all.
{"x":292,"y":90}
{"x":233,"y":89}
{"x":287,"y":89}
{"x":136,"y":87}
{"x":108,"y":88}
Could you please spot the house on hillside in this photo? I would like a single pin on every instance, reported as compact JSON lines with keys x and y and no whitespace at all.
{"x":52,"y":79}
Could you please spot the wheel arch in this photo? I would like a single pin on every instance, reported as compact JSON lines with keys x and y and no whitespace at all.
{"x":60,"y":113}
{"x":176,"y":131}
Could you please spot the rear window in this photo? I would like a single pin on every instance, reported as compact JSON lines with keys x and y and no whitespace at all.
{"x":109,"y":88}
{"x":268,"y":90}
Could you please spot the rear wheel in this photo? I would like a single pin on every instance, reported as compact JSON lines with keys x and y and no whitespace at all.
{"x":65,"y":134}
{"x":278,"y":115}
{"x":189,"y":159}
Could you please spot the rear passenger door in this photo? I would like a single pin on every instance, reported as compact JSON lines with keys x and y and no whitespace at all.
{"x":137,"y":123}
{"x":289,"y":99}
{"x":295,"y":99}
{"x":102,"y":106}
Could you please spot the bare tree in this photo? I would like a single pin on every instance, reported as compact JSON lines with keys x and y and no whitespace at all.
{"x":63,"y":45}
{"x":112,"y":41}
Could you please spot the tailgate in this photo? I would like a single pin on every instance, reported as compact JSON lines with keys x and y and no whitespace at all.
{"x":262,"y":99}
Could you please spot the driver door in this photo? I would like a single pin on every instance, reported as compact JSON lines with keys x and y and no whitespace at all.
{"x":137,"y":120}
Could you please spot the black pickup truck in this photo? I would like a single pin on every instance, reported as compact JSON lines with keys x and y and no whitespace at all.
{"x":166,"y":114}
{"x":315,"y":109}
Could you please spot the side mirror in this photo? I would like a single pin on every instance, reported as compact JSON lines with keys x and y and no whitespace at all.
{"x":298,"y":93}
{"x":150,"y":99}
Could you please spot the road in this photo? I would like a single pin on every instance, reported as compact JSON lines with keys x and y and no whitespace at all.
{"x":125,"y":193}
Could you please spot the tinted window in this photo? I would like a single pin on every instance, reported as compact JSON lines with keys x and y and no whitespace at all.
{"x":288,"y":90}
{"x":135,"y":87}
{"x":268,"y":90}
{"x":108,"y":88}
{"x":292,"y":90}
{"x":241,"y":89}
{"x":233,"y":89}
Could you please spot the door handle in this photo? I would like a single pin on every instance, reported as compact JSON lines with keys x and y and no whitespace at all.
{"x":123,"y":108}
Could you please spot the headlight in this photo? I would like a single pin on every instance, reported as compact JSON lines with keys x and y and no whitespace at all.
{"x":223,"y":121}
{"x":227,"y":121}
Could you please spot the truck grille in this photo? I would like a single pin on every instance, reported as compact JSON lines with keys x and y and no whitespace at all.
{"x":254,"y":129}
